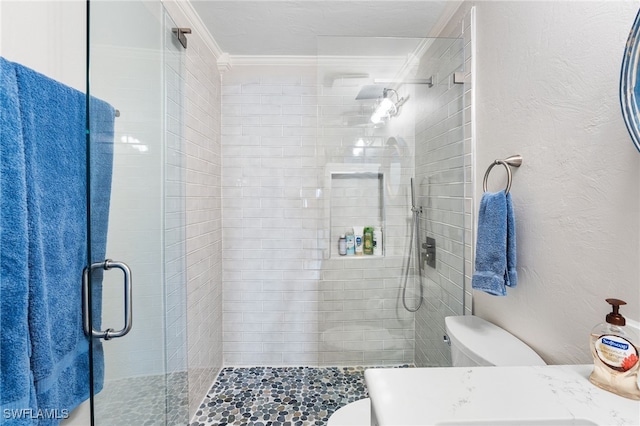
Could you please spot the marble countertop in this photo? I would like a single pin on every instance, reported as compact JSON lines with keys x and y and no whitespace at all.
{"x":545,"y":395}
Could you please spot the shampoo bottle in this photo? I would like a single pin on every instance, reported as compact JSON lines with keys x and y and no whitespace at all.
{"x":614,"y":348}
{"x":368,"y":240}
{"x":350,"y":242}
{"x":358,"y":240}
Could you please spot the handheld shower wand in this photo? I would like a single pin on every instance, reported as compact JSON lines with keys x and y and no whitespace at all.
{"x":415,"y":231}
{"x":414,"y":209}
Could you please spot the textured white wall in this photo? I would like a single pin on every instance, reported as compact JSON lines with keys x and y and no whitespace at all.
{"x":547,"y":88}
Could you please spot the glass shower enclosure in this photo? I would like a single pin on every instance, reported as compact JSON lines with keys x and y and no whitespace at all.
{"x":368,"y":157}
{"x":304,"y":164}
{"x":136,"y":64}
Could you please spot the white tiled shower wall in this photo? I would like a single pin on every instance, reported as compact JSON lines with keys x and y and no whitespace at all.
{"x":269,"y":200}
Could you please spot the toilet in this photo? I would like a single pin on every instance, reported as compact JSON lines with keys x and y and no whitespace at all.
{"x":474,"y":342}
{"x":357,"y":413}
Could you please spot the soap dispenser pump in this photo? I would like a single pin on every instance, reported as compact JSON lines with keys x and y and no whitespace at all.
{"x":614,"y":348}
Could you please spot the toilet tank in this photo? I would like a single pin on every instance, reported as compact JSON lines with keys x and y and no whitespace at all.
{"x":476,"y":342}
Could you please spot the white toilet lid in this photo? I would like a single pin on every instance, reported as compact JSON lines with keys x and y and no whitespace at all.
{"x":354,"y":414}
{"x":488,"y":344}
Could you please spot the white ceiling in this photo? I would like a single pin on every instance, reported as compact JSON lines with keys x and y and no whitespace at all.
{"x":292,"y":27}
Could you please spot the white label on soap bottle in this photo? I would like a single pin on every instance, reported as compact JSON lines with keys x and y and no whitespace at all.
{"x":616,"y":352}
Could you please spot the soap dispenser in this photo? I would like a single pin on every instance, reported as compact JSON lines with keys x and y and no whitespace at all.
{"x":614,"y":348}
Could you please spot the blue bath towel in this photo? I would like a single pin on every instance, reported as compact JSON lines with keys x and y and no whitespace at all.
{"x":16,"y":384}
{"x":54,"y":132}
{"x":495,"y":263}
{"x":101,"y":159}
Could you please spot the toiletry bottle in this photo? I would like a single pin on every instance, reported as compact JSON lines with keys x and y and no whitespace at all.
{"x":342,"y":245}
{"x":358,"y":237}
{"x":614,"y":348}
{"x":368,"y":240}
{"x":351,"y":242}
{"x":377,"y":241}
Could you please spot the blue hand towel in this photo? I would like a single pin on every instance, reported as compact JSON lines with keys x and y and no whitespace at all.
{"x":53,"y":117}
{"x":16,"y":384}
{"x":495,"y":261}
{"x":511,"y":277}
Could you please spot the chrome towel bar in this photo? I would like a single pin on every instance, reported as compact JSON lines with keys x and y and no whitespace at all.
{"x":513,"y":161}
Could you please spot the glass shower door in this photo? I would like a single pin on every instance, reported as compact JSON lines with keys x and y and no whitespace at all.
{"x":139,"y":375}
{"x":389,"y":309}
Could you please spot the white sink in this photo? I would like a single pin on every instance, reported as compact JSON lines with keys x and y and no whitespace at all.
{"x":552,"y":395}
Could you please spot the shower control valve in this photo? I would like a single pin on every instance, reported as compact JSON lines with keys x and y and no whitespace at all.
{"x":430,"y":252}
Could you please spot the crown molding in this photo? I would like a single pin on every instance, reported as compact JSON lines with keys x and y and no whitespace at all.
{"x":273,"y":60}
{"x":224,"y":63}
{"x":449,"y":11}
{"x":314,"y":61}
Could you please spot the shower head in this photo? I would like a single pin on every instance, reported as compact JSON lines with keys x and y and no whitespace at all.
{"x":376,"y":90}
{"x":370,"y":91}
{"x":386,"y":107}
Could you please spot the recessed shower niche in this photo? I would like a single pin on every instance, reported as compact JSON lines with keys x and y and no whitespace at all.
{"x":356,"y":201}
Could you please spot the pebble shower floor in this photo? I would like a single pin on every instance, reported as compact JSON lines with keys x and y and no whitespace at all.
{"x":280,"y":396}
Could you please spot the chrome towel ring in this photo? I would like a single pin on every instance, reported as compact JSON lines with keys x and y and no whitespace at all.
{"x":513,"y":161}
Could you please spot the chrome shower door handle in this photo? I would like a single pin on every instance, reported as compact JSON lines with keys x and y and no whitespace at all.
{"x":109,"y":333}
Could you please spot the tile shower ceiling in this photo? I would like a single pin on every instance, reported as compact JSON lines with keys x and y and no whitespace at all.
{"x":291,"y":27}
